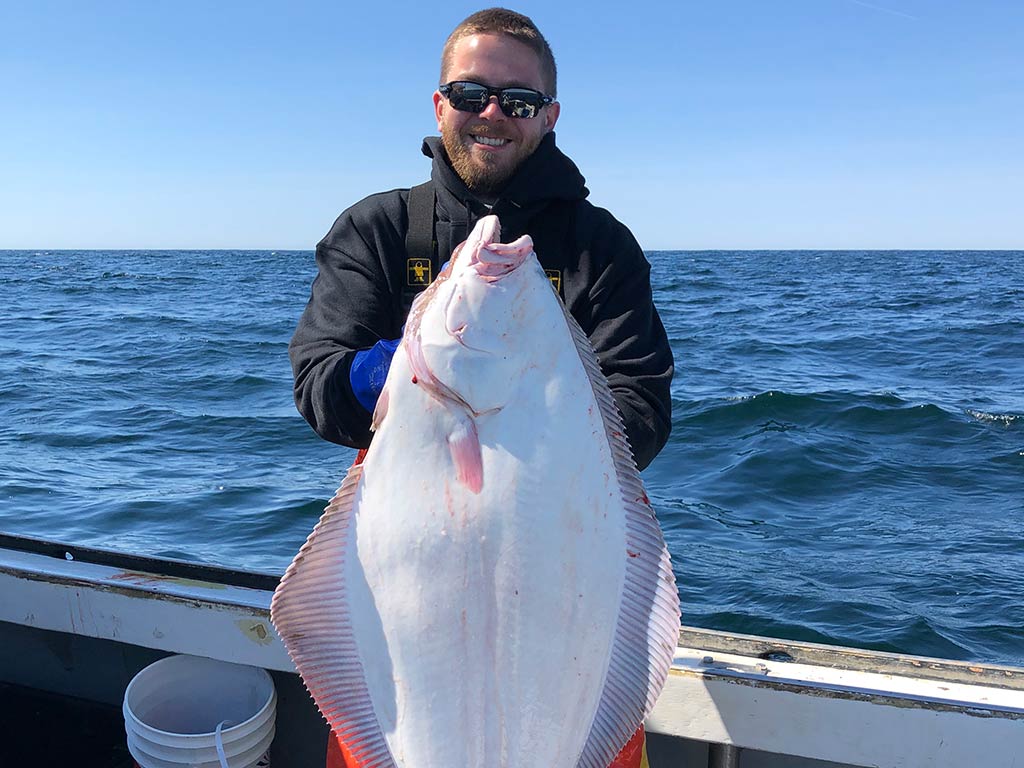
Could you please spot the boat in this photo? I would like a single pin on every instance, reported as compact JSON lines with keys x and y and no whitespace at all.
{"x":77,"y":624}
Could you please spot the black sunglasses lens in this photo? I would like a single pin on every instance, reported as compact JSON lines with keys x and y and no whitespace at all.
{"x":520,"y":102}
{"x":469,"y":97}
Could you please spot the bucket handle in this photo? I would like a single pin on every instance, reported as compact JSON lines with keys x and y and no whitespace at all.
{"x":220,"y":743}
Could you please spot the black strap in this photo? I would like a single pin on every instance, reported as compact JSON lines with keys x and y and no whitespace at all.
{"x":420,"y":242}
{"x":420,"y":247}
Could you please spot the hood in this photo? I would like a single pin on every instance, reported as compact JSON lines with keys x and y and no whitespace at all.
{"x":546,"y":176}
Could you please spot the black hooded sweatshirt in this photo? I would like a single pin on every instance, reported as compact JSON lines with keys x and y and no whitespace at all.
{"x":602,"y":274}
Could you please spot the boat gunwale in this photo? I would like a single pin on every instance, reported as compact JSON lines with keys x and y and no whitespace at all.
{"x":162,"y":566}
{"x":854,"y":659}
{"x":169,"y":579}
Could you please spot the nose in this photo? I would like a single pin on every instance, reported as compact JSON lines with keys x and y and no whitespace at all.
{"x":492,"y":111}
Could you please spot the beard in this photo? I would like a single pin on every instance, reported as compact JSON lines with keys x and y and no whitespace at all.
{"x":484,"y":175}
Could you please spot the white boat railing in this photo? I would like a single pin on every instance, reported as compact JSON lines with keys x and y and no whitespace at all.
{"x":731,"y":691}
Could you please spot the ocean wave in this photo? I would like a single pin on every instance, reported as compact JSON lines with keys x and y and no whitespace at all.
{"x":844,"y":464}
{"x":1004,"y":419}
{"x":780,"y":411}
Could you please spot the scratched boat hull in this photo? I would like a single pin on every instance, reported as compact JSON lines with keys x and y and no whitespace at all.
{"x":80,"y":629}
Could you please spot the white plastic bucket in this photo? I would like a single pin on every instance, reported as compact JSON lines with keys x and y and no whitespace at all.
{"x":174,"y":707}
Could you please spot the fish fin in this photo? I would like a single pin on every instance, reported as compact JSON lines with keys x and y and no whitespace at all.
{"x":647,"y":629}
{"x":464,"y":444}
{"x":381,"y":409}
{"x":310,"y":612}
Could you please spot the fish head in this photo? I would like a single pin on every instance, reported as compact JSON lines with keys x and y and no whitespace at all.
{"x":486,"y":257}
{"x":472,"y":333}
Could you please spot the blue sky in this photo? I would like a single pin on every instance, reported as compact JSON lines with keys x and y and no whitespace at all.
{"x":790,"y":124}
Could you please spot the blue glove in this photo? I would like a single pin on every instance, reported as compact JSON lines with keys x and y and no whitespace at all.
{"x":370,"y":370}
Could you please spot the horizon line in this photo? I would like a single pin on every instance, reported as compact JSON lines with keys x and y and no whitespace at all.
{"x":717,"y":249}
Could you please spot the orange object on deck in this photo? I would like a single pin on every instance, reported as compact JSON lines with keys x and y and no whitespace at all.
{"x":338,"y":755}
{"x":633,"y":755}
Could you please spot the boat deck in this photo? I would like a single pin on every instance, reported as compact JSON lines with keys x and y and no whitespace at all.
{"x":50,"y":729}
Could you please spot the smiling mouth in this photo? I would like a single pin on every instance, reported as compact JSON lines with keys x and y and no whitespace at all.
{"x":489,"y":141}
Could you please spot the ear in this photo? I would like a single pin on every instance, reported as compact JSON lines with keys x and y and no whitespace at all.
{"x":551,"y":113}
{"x":438,"y":107}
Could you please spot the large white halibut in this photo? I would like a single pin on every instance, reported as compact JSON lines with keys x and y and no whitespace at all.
{"x":490,"y":588}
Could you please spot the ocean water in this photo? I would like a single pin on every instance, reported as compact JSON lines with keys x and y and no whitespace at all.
{"x":846,"y":464}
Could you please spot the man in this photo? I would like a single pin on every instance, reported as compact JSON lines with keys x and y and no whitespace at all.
{"x":485,"y":162}
{"x":496,"y":112}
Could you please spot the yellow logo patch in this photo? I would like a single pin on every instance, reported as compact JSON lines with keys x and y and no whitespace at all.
{"x":419,"y":272}
{"x":555,"y":276}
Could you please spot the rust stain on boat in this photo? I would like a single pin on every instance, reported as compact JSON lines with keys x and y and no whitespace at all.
{"x":129,"y":583}
{"x":257,"y":631}
{"x":138,"y":577}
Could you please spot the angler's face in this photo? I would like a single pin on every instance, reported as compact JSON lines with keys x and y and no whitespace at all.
{"x":497,"y":61}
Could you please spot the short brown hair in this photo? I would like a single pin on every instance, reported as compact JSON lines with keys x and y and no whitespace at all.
{"x":501,"y":21}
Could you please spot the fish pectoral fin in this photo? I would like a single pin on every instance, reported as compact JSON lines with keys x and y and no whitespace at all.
{"x":464,"y":444}
{"x":381,"y":410}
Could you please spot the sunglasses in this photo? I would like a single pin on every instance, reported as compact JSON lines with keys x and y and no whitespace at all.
{"x":474,"y":97}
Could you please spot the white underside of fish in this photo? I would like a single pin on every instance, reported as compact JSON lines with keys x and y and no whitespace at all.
{"x":489,"y":588}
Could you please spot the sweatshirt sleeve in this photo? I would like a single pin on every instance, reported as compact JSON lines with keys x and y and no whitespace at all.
{"x":629,"y":339}
{"x":350,"y":307}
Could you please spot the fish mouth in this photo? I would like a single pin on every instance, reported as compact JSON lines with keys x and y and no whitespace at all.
{"x":497,"y":260}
